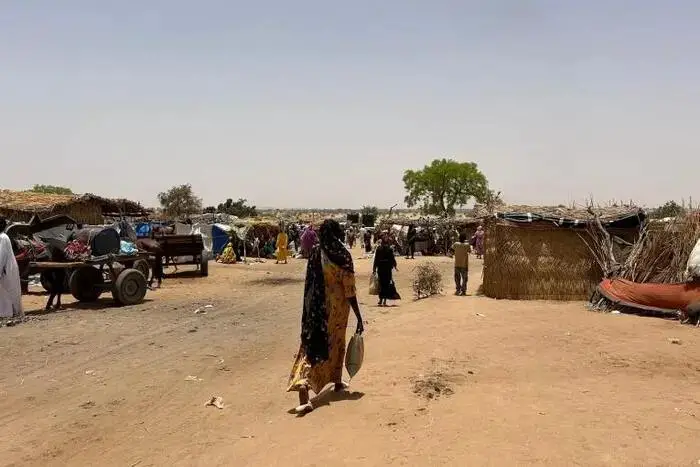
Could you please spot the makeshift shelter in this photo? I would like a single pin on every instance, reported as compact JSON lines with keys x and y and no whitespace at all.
{"x":214,"y":236}
{"x":660,"y":254}
{"x":21,"y":206}
{"x":539,"y":253}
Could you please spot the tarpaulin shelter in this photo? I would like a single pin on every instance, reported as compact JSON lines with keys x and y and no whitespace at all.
{"x":650,"y":296}
{"x":214,"y":236}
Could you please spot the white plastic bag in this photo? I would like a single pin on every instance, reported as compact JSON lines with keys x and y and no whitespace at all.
{"x":693,"y":268}
{"x":374,"y":284}
{"x":355,"y":354}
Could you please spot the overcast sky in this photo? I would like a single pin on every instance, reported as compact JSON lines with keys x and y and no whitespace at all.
{"x":318,"y":103}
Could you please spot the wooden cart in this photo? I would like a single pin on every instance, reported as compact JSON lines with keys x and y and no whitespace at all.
{"x":184,"y":245}
{"x":87,"y":280}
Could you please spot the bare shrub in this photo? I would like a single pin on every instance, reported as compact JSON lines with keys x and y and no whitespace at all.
{"x":427,"y":280}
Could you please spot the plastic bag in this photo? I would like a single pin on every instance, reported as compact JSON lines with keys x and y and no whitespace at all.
{"x":127,"y":248}
{"x":355,"y":354}
{"x":374,"y":284}
{"x":693,"y":268}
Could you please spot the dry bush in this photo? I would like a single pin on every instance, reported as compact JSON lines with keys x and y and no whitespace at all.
{"x":427,"y":280}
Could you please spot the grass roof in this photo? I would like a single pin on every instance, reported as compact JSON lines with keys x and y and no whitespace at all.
{"x":32,"y":201}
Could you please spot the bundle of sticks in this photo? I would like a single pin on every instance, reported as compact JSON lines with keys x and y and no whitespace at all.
{"x":659,"y":255}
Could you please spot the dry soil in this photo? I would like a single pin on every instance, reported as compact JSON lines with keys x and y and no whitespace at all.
{"x":446,"y":381}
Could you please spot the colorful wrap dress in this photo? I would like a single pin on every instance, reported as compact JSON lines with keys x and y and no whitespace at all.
{"x":339,"y":287}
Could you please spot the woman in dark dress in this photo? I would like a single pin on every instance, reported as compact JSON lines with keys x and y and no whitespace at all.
{"x":368,"y":241}
{"x":384,"y":263}
{"x":411,"y":240}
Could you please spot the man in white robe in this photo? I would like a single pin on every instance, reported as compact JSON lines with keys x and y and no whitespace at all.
{"x":10,"y":287}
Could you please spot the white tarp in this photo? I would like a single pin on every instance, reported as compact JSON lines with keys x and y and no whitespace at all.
{"x":693,"y":267}
{"x":183,"y":229}
{"x":205,"y":231}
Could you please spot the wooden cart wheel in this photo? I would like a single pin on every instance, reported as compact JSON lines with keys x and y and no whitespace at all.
{"x":129,"y":288}
{"x":204,"y":266}
{"x":143,"y":266}
{"x":86,"y":284}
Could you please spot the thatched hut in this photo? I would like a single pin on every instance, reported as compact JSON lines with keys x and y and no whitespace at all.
{"x":21,"y":206}
{"x":539,"y":254}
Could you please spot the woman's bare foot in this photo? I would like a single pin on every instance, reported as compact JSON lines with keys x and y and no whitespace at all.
{"x":304,"y":409}
{"x":342,"y":386}
{"x":305,"y":405}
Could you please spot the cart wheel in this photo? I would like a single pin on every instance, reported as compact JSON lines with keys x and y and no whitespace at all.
{"x":129,"y":288}
{"x":143,"y":266}
{"x":204,"y":266}
{"x":86,"y":284}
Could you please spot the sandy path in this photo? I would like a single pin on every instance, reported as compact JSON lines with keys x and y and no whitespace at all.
{"x":531,"y":382}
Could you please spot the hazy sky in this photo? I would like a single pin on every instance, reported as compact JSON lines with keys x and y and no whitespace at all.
{"x":325,"y":103}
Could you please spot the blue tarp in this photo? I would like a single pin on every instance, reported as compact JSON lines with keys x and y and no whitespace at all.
{"x":143,"y":229}
{"x":219,"y":239}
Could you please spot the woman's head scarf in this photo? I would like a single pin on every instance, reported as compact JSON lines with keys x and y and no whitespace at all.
{"x":331,"y":241}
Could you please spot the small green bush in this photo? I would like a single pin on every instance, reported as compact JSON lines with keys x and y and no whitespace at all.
{"x":427,"y":281}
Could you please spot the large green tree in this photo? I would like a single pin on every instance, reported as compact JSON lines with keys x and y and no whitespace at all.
{"x":237,"y":208}
{"x":180,"y":201}
{"x":52,"y":189}
{"x":670,"y":209}
{"x":443,"y":185}
{"x":370,"y":211}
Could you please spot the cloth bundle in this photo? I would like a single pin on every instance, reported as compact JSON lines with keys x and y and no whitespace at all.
{"x":77,"y":251}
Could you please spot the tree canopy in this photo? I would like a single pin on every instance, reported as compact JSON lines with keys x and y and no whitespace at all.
{"x":52,"y":189}
{"x":237,"y":208}
{"x":180,"y":201}
{"x":669,"y":209}
{"x":370,"y":211}
{"x":443,"y":185}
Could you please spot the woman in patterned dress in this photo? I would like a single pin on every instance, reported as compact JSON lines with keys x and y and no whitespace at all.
{"x":479,"y":242}
{"x":329,"y":294}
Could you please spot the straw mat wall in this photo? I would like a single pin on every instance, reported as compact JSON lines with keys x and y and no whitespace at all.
{"x":83,"y":211}
{"x":20,"y":206}
{"x":537,"y":263}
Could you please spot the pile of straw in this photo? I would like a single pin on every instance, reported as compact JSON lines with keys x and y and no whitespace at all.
{"x":659,"y":255}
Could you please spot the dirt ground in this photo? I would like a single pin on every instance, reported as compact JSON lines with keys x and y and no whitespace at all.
{"x":446,"y":381}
